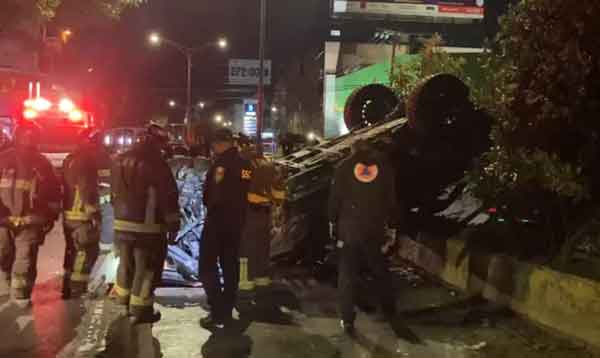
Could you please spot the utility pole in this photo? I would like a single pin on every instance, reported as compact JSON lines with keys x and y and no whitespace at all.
{"x":261,"y":79}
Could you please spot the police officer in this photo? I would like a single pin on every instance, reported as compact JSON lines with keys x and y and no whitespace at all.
{"x":225,"y":197}
{"x":264,"y":192}
{"x":145,"y":201}
{"x":29,"y":205}
{"x":362,"y":200}
{"x":81,"y":215}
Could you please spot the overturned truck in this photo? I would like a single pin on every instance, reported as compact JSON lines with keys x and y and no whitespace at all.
{"x":432,"y":137}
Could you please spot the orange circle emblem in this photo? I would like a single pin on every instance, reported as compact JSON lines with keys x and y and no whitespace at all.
{"x":365,"y":173}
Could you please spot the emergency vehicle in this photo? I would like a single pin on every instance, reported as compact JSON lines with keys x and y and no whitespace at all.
{"x":60,"y":114}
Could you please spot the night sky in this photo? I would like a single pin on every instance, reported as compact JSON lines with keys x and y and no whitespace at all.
{"x":126,"y":66}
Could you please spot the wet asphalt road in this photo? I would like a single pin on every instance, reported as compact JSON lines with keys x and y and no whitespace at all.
{"x":297,"y":318}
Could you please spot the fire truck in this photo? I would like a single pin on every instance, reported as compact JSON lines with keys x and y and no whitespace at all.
{"x":59,"y":113}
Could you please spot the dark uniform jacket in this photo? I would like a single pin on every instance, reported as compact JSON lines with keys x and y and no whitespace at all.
{"x":80,"y":200}
{"x":145,"y":196}
{"x":363,"y":193}
{"x":266,"y":186}
{"x":227,"y":183}
{"x":29,"y":191}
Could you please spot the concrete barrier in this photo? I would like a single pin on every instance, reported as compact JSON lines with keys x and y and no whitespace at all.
{"x":563,"y":302}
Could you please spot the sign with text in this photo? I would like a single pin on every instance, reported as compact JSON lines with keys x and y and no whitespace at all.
{"x":247,"y":72}
{"x":463,"y":9}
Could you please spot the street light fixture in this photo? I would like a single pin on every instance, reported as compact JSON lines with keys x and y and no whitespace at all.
{"x":172,"y":103}
{"x":65,"y":35}
{"x":201,"y":105}
{"x":218,"y":118}
{"x":156,"y":39}
{"x":274,"y":109}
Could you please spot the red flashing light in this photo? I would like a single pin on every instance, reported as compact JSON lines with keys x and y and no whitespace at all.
{"x":76,"y":115}
{"x":38,"y":104}
{"x":29,"y":113}
{"x":66,"y":105}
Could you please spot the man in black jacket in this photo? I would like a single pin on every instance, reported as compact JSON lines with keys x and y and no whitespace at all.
{"x":362,"y":200}
{"x":225,"y":197}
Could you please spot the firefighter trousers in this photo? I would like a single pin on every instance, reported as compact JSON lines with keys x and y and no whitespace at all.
{"x":362,"y":249}
{"x":18,"y":260}
{"x":255,"y":249}
{"x":220,"y":247}
{"x":141,"y":262}
{"x":81,"y":251}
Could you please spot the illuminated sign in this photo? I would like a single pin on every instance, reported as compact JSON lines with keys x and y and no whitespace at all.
{"x":247,"y":72}
{"x":465,"y":9}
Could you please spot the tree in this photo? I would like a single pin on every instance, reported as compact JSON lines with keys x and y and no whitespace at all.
{"x":543,"y":74}
{"x":431,"y":60}
{"x":16,"y":12}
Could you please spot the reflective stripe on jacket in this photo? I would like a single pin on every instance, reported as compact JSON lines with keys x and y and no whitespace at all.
{"x":80,"y":185}
{"x":265,"y":186}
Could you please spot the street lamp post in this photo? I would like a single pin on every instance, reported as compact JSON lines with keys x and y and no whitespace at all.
{"x":156,"y":39}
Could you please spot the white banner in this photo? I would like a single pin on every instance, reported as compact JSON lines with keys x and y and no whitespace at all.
{"x":247,"y":72}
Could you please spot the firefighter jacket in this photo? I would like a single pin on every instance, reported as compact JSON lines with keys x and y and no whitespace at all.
{"x":266,"y":186}
{"x":80,"y":201}
{"x":363,"y":192}
{"x":144,"y":192}
{"x":226,"y":191}
{"x":30,"y":193}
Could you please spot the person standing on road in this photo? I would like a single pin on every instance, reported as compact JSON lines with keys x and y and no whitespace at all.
{"x":29,"y":205}
{"x":145,"y":200}
{"x":225,"y":197}
{"x":362,"y":200}
{"x":81,"y":216}
{"x":265,"y":191}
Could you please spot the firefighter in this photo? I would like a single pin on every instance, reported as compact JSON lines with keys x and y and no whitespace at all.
{"x":265,"y":191}
{"x":225,"y":197}
{"x":145,"y":201}
{"x":362,"y":200}
{"x":81,"y":215}
{"x":29,"y":206}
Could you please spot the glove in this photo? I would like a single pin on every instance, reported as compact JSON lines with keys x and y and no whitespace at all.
{"x":172,"y":237}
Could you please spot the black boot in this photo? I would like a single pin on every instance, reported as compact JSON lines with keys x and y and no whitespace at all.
{"x":211,"y":323}
{"x":348,"y":327}
{"x":66,"y":287}
{"x":149,"y":317}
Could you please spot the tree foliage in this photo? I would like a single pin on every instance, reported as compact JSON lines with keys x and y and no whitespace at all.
{"x":14,"y":13}
{"x":543,"y":77}
{"x":430,"y":60}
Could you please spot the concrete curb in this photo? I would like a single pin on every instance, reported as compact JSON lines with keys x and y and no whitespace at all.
{"x":566,"y":303}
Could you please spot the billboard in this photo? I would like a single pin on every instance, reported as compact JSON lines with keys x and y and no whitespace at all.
{"x":437,"y":9}
{"x":247,"y":72}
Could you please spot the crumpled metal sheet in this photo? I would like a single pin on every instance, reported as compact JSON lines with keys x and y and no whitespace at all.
{"x":181,"y":265}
